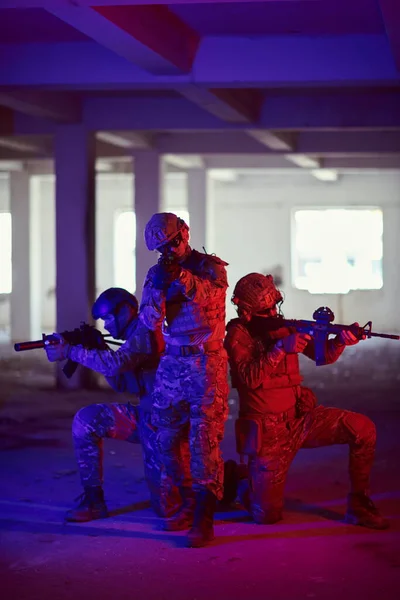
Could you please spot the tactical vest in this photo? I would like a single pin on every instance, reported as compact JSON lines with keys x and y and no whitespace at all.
{"x":188,"y":317}
{"x":287,"y":372}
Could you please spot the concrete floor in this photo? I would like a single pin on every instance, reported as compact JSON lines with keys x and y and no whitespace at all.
{"x":311,"y":554}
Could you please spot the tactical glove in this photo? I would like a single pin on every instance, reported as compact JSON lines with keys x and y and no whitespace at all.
{"x":165,"y":274}
{"x":347,"y":338}
{"x":295,"y":342}
{"x":57,"y":350}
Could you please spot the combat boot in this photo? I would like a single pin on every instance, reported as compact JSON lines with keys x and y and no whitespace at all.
{"x":234,"y":474}
{"x":230,"y":483}
{"x":183,"y":519}
{"x":362,"y":511}
{"x":90,"y":506}
{"x":202,"y":531}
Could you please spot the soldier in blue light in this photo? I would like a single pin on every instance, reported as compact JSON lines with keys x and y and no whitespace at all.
{"x":130,"y":369}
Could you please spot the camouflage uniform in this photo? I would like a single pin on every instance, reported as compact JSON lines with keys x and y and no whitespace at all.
{"x":191,"y":389}
{"x":131,"y":369}
{"x":278,"y":417}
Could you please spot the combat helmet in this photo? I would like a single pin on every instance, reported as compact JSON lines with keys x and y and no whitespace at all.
{"x":162,"y":228}
{"x":255,"y":293}
{"x":110,"y":301}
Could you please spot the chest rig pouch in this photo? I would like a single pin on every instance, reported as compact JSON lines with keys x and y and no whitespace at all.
{"x":248,"y":433}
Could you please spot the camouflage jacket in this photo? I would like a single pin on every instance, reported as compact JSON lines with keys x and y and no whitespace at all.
{"x":132,"y":367}
{"x":192,"y":310}
{"x":265,"y":376}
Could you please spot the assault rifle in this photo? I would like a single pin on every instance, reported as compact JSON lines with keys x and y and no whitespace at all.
{"x":86,"y":335}
{"x":322,"y":327}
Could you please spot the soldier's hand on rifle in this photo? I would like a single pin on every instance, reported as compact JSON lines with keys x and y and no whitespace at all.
{"x":295,"y":342}
{"x":347,"y":337}
{"x":165,"y":273}
{"x":58,"y":349}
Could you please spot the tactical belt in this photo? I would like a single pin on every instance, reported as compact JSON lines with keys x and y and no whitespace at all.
{"x":189,"y":350}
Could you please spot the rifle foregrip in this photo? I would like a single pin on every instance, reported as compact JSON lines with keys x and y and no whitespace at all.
{"x":22,"y":346}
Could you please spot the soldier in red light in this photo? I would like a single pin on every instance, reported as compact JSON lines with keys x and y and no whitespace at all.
{"x":278,"y":416}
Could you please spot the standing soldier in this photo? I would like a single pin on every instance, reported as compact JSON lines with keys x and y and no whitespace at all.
{"x":184,"y":294}
{"x":131,"y":369}
{"x":278,"y":416}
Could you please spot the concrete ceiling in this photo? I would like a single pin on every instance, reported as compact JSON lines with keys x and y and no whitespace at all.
{"x":273,"y":84}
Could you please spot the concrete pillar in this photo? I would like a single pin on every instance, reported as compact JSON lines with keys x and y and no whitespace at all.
{"x":25,"y":295}
{"x":197,"y":189}
{"x":149,"y":189}
{"x":210,"y":217}
{"x":75,"y":235}
{"x":105,"y":235}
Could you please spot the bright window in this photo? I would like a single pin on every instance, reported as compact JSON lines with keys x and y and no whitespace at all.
{"x":337,"y":250}
{"x":124,"y":247}
{"x":5,"y":253}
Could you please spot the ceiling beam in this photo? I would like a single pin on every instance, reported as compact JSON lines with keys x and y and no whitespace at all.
{"x":185,"y":162}
{"x":7,"y":123}
{"x":56,"y":106}
{"x":220,"y":61}
{"x":256,"y":61}
{"x":285,"y":141}
{"x":348,"y":142}
{"x":204,"y":143}
{"x":309,"y":144}
{"x":46,"y":3}
{"x":304,"y":161}
{"x":128,"y":140}
{"x":23,"y":149}
{"x":284,"y":111}
{"x":234,"y":106}
{"x":152,"y":37}
{"x":390,"y":10}
{"x":334,"y":109}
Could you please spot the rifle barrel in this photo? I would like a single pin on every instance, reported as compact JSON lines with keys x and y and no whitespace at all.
{"x":22,"y":346}
{"x":388,"y":336}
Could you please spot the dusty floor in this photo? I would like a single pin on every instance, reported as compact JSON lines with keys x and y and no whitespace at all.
{"x":311,"y":554}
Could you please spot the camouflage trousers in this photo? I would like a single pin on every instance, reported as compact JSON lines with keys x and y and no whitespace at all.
{"x":125,"y":422}
{"x":190,"y":402}
{"x":284,"y":434}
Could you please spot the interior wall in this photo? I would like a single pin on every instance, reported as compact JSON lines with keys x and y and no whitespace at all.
{"x":253,"y":217}
{"x":252,"y":232}
{"x":4,"y":298}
